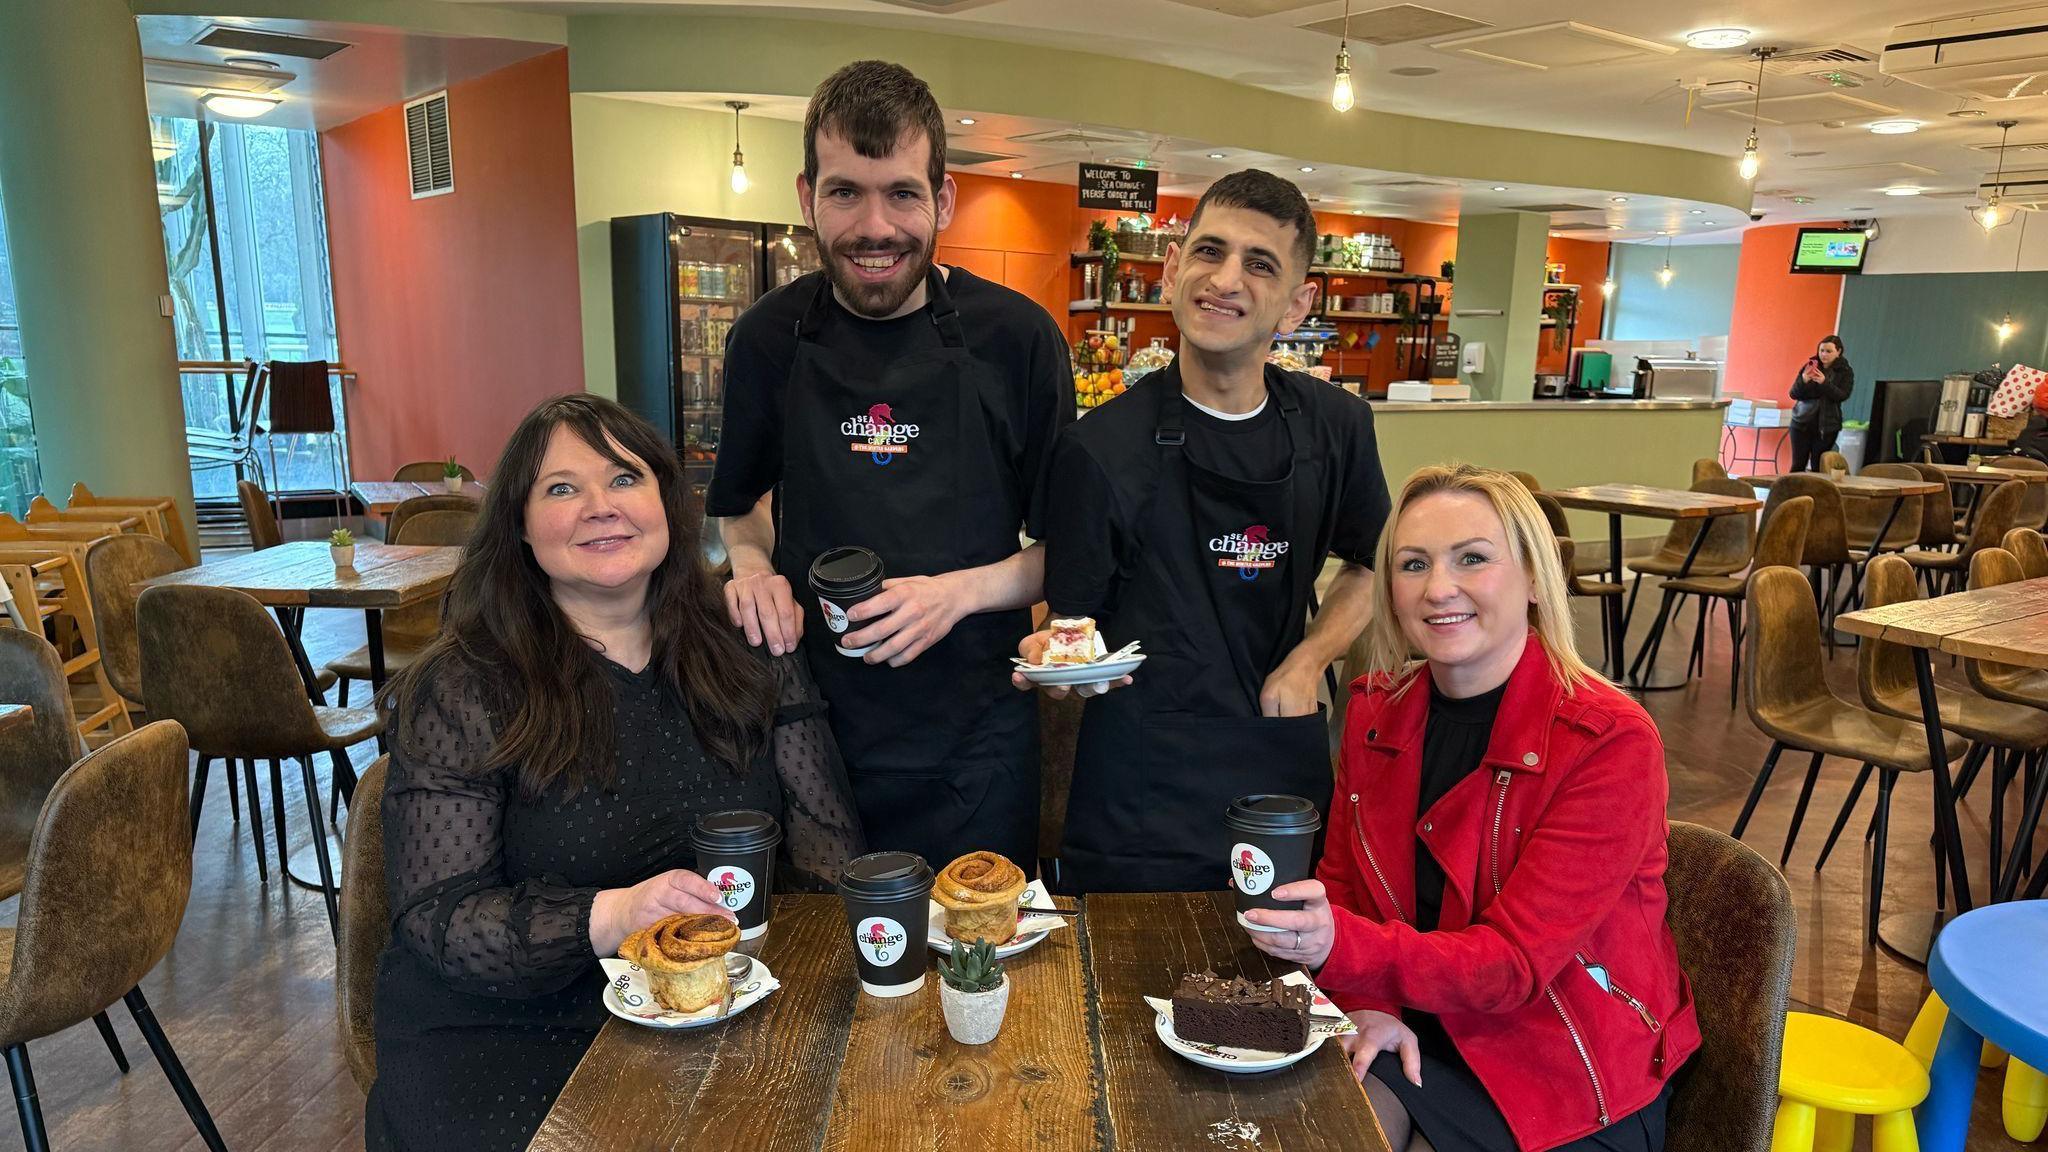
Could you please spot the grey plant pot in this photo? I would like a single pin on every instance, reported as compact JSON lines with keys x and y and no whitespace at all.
{"x":974,"y":1017}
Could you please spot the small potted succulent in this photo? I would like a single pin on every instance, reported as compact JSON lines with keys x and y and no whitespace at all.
{"x":341,"y":544}
{"x":451,"y":475}
{"x":973,"y":992}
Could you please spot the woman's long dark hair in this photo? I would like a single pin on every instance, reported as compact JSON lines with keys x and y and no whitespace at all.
{"x":548,"y":696}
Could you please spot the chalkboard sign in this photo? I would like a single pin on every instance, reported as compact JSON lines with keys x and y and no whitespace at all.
{"x":1443,"y":364}
{"x":1119,"y":189}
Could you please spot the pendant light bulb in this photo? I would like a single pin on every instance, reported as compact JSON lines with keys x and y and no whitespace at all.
{"x":1991,"y":215}
{"x":1994,"y":213}
{"x":1341,"y":97}
{"x":1751,"y":163}
{"x":1664,"y":276}
{"x":1607,"y":286}
{"x":740,"y":183}
{"x":2005,"y":328}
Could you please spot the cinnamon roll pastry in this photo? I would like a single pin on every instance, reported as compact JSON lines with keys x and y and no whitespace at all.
{"x":979,"y":892}
{"x":684,"y":958}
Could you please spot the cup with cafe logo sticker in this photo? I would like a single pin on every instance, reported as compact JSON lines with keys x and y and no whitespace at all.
{"x":1272,"y":843}
{"x":841,"y":578}
{"x":736,"y":853}
{"x":885,"y":895}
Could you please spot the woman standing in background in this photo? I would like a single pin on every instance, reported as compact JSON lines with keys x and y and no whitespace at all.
{"x":1824,"y":381}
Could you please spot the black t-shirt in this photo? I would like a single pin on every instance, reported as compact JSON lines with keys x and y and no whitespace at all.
{"x":1003,"y":328}
{"x":1453,"y":742}
{"x":1106,"y":468}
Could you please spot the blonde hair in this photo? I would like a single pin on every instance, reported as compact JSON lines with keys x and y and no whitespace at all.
{"x":1530,"y":543}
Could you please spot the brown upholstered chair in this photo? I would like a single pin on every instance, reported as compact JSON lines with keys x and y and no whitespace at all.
{"x":1529,"y":481}
{"x":1708,"y":468}
{"x":1832,"y":461}
{"x":1585,"y":573}
{"x":1994,"y":520}
{"x":1865,"y":515}
{"x":1727,"y":548}
{"x":408,"y":630}
{"x":1778,"y":546}
{"x":1938,"y":511}
{"x":214,"y":661}
{"x":1885,"y":681}
{"x":262,"y":518}
{"x":2012,"y":684}
{"x":1826,"y":552}
{"x":107,"y":879}
{"x":365,"y":925}
{"x":1789,"y":699}
{"x":394,"y":528}
{"x":1731,"y":916}
{"x":2028,"y":548}
{"x":2033,"y":511}
{"x":426,"y":472}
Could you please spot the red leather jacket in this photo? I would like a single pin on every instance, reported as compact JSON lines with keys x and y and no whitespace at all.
{"x":1551,"y":967}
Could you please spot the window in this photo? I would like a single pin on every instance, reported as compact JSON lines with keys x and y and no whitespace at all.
{"x":20,"y":478}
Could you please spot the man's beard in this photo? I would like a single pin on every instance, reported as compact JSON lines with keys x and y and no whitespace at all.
{"x":874,"y":300}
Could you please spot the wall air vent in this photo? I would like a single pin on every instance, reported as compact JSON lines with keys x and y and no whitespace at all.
{"x":427,"y":149}
{"x":236,"y":39}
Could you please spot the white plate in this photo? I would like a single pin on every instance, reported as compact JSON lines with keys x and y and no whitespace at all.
{"x":1324,"y":1022}
{"x":1034,"y":897}
{"x":627,"y":996}
{"x":1069,"y":675}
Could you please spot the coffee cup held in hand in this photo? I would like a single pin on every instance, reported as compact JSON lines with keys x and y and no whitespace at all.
{"x":841,"y":578}
{"x":736,"y":853}
{"x":887,"y":898}
{"x":1272,"y":843}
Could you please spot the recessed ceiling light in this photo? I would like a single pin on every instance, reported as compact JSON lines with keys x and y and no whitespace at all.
{"x":1717,"y":38}
{"x":1414,"y":70}
{"x":251,"y":62}
{"x":1308,"y":168}
{"x":238,"y":106}
{"x":1894,"y":127}
{"x":1500,"y":187}
{"x":1902,"y":190}
{"x":1802,"y":199}
{"x":1016,"y":175}
{"x":1617,"y":199}
{"x":1968,"y":113}
{"x":1699,"y":211}
{"x":967,"y":120}
{"x":1215,"y":155}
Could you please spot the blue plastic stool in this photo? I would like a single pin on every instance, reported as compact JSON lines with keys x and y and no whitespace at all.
{"x":1991,"y":967}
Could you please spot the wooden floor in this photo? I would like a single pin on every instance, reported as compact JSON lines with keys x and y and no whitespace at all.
{"x":247,"y":994}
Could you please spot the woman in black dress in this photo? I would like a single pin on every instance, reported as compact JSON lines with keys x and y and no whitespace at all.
{"x":586,"y":700}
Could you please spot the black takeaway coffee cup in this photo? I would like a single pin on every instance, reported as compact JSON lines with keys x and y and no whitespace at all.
{"x":841,"y":578}
{"x":887,"y":910}
{"x":1272,"y":843}
{"x":736,"y":852}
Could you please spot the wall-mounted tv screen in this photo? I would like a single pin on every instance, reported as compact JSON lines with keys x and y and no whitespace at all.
{"x":1829,"y":250}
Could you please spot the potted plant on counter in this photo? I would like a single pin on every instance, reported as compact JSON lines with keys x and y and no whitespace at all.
{"x":341,"y":544}
{"x":973,"y":992}
{"x":1447,"y":268}
{"x":451,"y":475}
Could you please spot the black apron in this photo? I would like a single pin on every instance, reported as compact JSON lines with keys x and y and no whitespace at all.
{"x":942,"y":752}
{"x":1158,"y":762}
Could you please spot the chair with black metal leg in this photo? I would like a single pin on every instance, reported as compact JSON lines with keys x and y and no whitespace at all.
{"x":2018,"y":686}
{"x":1779,"y":545}
{"x":1994,"y":520}
{"x":2033,"y":511}
{"x":1789,"y":700}
{"x":1826,"y":553}
{"x":1708,"y":468}
{"x":2027,"y":547}
{"x":1728,"y":544}
{"x":1938,"y":516}
{"x":1584,"y":573}
{"x":114,"y":826}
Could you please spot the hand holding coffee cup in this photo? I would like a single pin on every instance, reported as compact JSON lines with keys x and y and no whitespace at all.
{"x":1032,"y":648}
{"x":1299,"y":937}
{"x":908,"y":615}
{"x":1272,"y":846}
{"x":736,"y":854}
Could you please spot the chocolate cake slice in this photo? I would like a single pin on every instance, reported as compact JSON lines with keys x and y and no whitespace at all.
{"x":1266,"y":1015}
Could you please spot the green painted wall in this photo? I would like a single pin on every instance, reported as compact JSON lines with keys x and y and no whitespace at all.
{"x":1924,"y":326}
{"x":1500,"y":267}
{"x":672,"y":51}
{"x":1697,"y":302}
{"x":633,"y":157}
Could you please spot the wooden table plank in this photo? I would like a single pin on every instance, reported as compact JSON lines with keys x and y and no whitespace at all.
{"x":906,"y":1084}
{"x":1657,"y":503}
{"x":1925,"y":623}
{"x":2021,"y":641}
{"x":1964,"y":474}
{"x":302,"y":574}
{"x":381,"y":497}
{"x":1139,"y":945}
{"x":1872,"y":486}
{"x":761,"y":1081}
{"x":13,"y":716}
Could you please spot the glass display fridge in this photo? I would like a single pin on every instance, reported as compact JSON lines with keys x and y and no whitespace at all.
{"x":678,"y":283}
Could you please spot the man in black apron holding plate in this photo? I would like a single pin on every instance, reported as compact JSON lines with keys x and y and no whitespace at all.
{"x":1194,"y":514}
{"x":905,"y":408}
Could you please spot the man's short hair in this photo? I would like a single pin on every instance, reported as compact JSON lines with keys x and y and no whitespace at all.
{"x":1269,"y":195}
{"x":870,"y":104}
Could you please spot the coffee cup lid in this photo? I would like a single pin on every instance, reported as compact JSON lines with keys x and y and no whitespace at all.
{"x":736,"y":830}
{"x":1271,"y":812}
{"x":886,"y":876}
{"x":845,"y":567}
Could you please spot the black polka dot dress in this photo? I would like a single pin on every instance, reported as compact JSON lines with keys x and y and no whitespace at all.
{"x":488,"y":994}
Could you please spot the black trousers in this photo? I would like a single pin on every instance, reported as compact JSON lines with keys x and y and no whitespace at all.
{"x":1807,"y":445}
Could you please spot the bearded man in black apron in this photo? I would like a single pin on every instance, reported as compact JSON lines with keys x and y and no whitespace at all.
{"x":1194,"y":514}
{"x":967,"y":383}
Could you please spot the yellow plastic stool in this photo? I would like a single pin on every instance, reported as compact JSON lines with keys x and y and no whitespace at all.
{"x":1833,"y":1071}
{"x":2026,"y":1089}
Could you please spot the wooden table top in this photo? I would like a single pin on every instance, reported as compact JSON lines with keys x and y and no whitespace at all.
{"x":301,"y":574}
{"x":1875,"y":486}
{"x":13,"y":716}
{"x":1657,"y":503}
{"x":2008,"y":623}
{"x":1964,"y":474}
{"x":1952,"y":438}
{"x":380,"y":497}
{"x":819,"y":1066}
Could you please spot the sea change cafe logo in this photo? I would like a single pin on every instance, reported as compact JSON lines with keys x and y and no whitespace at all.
{"x":1250,"y":869}
{"x":881,"y":939}
{"x":735,"y":887}
{"x":878,"y":434}
{"x":1248,"y":551}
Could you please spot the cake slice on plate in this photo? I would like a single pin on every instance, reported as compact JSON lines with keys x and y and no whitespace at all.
{"x":1073,"y":641}
{"x":1262,"y":1015}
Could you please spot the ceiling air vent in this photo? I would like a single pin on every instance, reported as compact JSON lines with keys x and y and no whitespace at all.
{"x":1817,"y":60}
{"x":235,"y":39}
{"x":967,"y":157}
{"x":1400,"y":24}
{"x":1551,"y":209}
{"x":426,"y":146}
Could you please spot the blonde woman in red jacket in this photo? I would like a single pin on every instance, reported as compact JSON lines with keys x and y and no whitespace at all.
{"x":1490,"y":903}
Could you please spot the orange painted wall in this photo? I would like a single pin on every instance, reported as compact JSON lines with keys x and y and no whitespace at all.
{"x":458,"y":312}
{"x":1777,"y":319}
